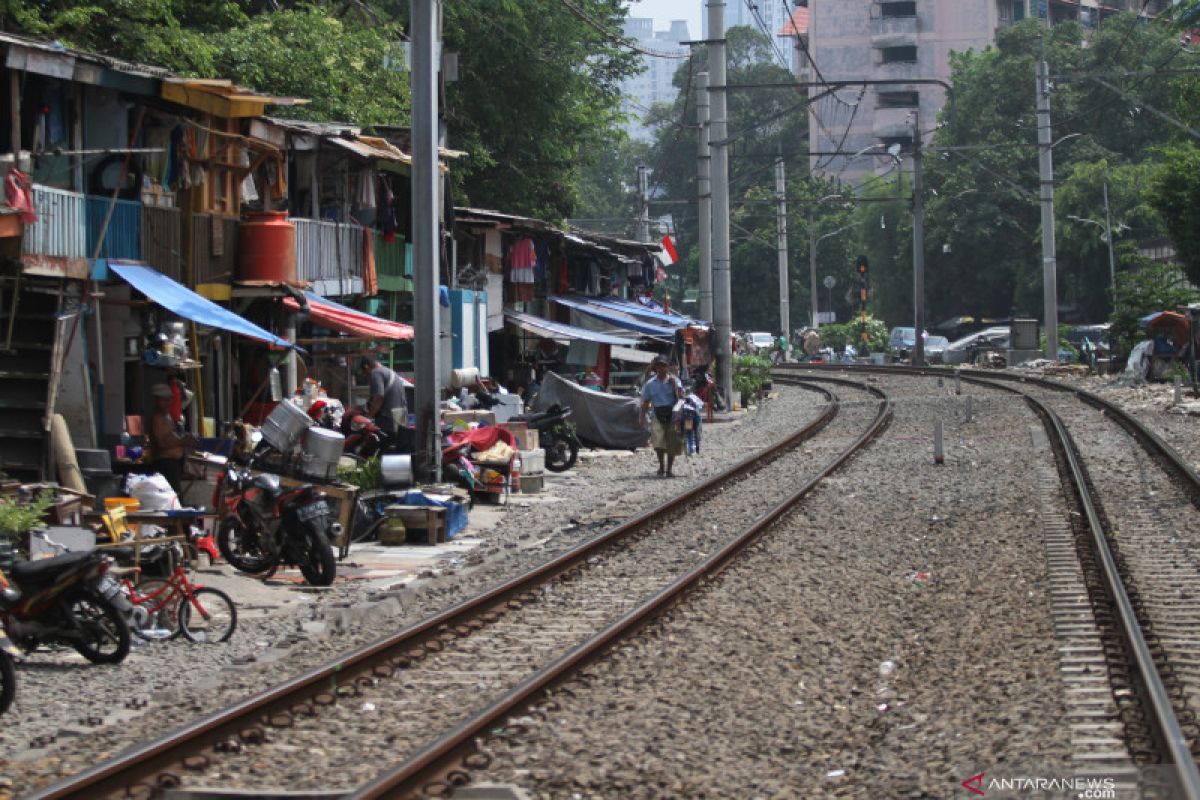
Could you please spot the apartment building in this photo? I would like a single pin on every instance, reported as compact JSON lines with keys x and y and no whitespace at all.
{"x":653,"y":85}
{"x":905,"y":40}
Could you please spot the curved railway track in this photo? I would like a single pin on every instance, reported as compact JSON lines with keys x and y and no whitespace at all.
{"x":499,"y":650}
{"x":1140,"y":579}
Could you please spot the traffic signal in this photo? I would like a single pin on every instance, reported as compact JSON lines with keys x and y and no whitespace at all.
{"x":862,"y":266}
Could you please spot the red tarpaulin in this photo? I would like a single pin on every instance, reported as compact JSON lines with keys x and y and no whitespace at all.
{"x":338,"y":317}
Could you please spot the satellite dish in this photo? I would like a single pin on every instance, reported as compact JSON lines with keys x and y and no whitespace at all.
{"x":830,"y":282}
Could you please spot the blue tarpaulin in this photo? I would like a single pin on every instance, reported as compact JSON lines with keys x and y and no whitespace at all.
{"x":183,"y":301}
{"x":456,"y":513}
{"x":615,"y":318}
{"x":639,"y":310}
{"x":557,"y":330}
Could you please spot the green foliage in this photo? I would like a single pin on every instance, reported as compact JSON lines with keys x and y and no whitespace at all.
{"x":366,"y":476}
{"x":17,"y":518}
{"x":835,"y":336}
{"x":750,"y":372}
{"x":1175,"y":193}
{"x":840,"y":335}
{"x":1152,"y":287}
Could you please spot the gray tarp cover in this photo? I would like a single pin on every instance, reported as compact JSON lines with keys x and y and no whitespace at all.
{"x":606,"y":420}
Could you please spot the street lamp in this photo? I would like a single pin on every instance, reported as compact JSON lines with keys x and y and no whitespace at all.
{"x":1107,"y":227}
{"x":813,"y":244}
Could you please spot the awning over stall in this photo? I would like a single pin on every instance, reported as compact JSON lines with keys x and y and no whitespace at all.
{"x":184,"y":302}
{"x":639,"y":310}
{"x":557,"y":330}
{"x":342,"y":318}
{"x":617,"y":319}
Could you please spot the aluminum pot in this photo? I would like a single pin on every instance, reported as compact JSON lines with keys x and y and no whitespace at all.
{"x":322,"y":451}
{"x":397,"y":470}
{"x":285,"y":425}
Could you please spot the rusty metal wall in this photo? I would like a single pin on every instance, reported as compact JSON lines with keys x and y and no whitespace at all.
{"x":214,"y":248}
{"x":61,"y":229}
{"x":162,"y":240}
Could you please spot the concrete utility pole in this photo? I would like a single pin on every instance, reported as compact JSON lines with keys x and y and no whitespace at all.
{"x":643,"y":204}
{"x":722,"y":305}
{"x":1046,"y":178}
{"x":812,"y":269}
{"x":426,"y":236}
{"x":785,"y":309}
{"x":1112,"y":263}
{"x":704,"y":198}
{"x":918,"y":358}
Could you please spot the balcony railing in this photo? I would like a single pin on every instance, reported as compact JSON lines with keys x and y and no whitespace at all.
{"x":61,"y":229}
{"x":330,"y":256}
{"x":885,"y":27}
{"x":123,"y":236}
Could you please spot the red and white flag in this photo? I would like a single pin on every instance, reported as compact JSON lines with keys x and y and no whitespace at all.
{"x":669,"y":255}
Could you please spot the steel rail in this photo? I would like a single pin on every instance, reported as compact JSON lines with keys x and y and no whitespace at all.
{"x":1167,"y":729}
{"x":1166,"y":725}
{"x":153,"y":760}
{"x":445,"y":762}
{"x":1151,"y":442}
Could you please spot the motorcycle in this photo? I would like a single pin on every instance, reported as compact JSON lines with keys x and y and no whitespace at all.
{"x":10,"y":656}
{"x":69,"y":598}
{"x":556,"y":435}
{"x":266,"y":524}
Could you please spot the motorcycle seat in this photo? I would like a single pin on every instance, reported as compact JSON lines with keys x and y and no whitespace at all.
{"x":268,"y":483}
{"x":44,"y":570}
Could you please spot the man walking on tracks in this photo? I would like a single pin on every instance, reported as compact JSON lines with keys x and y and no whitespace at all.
{"x":660,"y":393}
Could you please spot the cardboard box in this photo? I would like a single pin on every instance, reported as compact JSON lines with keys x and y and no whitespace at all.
{"x":463,"y":419}
{"x":526,"y":439}
{"x":421,"y":523}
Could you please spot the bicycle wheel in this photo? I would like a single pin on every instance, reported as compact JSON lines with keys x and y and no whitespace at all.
{"x":208,"y":616}
{"x":147,"y":623}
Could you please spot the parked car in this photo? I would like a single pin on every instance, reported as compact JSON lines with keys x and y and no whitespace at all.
{"x":760,"y":340}
{"x":935,"y":348}
{"x":964,"y":350}
{"x":901,"y":341}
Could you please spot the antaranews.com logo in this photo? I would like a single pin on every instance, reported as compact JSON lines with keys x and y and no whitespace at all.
{"x":1081,"y":788}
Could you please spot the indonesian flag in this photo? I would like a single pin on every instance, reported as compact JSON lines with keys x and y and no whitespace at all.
{"x":669,"y":254}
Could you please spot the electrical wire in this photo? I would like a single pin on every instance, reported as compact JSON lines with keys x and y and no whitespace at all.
{"x":616,"y":38}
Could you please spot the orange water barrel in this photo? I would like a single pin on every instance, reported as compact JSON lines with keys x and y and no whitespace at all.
{"x":267,"y":247}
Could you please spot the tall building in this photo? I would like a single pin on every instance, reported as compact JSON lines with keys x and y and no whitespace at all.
{"x":898,"y":40}
{"x":767,"y":16}
{"x":640,"y":92}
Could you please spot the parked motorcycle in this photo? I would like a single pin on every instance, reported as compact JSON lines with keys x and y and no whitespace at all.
{"x":556,"y":435}
{"x":10,"y":655}
{"x":266,"y":524}
{"x":71,"y":599}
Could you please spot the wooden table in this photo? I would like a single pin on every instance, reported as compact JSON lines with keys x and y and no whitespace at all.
{"x":177,"y":523}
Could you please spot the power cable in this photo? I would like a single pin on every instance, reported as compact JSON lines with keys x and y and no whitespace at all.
{"x":617,"y":38}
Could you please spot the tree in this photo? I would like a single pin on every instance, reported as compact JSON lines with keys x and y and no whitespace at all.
{"x":1151,"y":287}
{"x":1175,"y":193}
{"x":537,"y":98}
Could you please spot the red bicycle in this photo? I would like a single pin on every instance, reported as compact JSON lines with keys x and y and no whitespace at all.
{"x":163,"y":609}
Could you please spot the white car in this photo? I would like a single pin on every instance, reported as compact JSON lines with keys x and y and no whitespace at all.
{"x":963,"y":351}
{"x":761,"y":341}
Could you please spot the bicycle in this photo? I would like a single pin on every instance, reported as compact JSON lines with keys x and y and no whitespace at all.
{"x":176,"y":605}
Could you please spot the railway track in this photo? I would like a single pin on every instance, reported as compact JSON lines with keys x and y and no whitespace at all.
{"x":1126,"y":586}
{"x":493,"y":654}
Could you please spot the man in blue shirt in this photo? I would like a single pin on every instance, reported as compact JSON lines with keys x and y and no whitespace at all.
{"x":660,"y":393}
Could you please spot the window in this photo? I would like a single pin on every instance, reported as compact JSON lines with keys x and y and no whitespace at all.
{"x":908,"y":9}
{"x":898,"y":100}
{"x":900,"y":55}
{"x":1018,"y":10}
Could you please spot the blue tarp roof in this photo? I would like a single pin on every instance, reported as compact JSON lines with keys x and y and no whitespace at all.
{"x":617,"y":319}
{"x":630,"y":307}
{"x":557,"y":330}
{"x":183,"y":301}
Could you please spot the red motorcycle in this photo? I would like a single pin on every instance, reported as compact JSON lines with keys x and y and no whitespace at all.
{"x":265,"y":524}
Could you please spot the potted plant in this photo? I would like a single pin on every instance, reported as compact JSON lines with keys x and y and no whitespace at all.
{"x":16,"y":520}
{"x":749,"y":375}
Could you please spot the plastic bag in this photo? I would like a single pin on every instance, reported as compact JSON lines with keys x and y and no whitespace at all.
{"x":153,"y":492}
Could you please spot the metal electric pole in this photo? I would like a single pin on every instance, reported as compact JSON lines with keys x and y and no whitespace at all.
{"x":426,"y":235}
{"x":643,"y":204}
{"x":918,"y":358}
{"x":722,"y":305}
{"x":1112,"y":262}
{"x":785,"y":311}
{"x":704,"y":198}
{"x":1046,"y":178}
